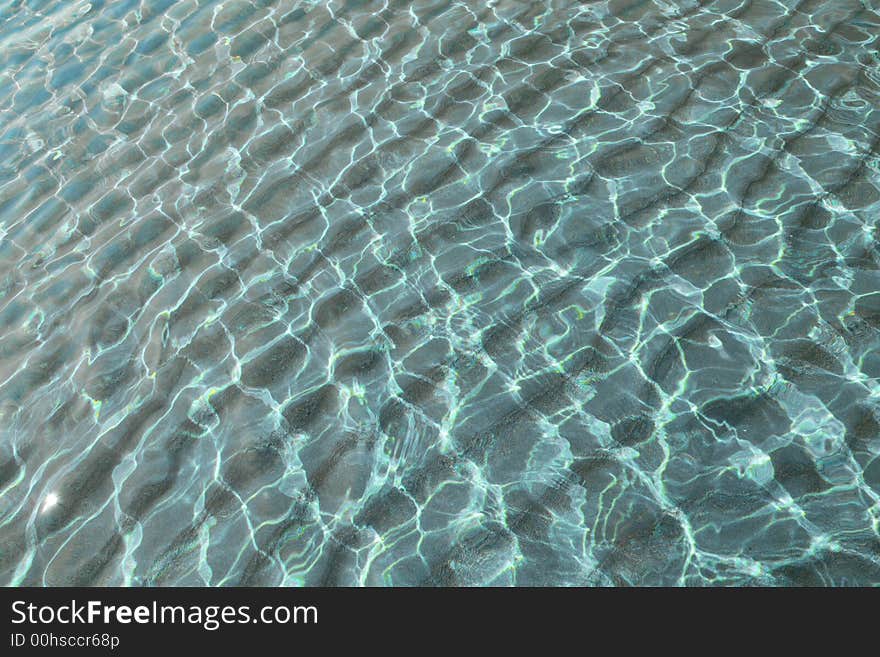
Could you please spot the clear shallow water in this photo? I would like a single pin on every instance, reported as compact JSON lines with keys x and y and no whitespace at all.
{"x":548,"y":293}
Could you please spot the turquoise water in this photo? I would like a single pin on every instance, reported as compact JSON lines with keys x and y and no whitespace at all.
{"x":439,"y":293}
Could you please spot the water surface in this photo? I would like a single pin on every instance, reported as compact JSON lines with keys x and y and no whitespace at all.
{"x":439,"y":293}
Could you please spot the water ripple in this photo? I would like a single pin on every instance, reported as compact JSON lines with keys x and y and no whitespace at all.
{"x":439,"y":293}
